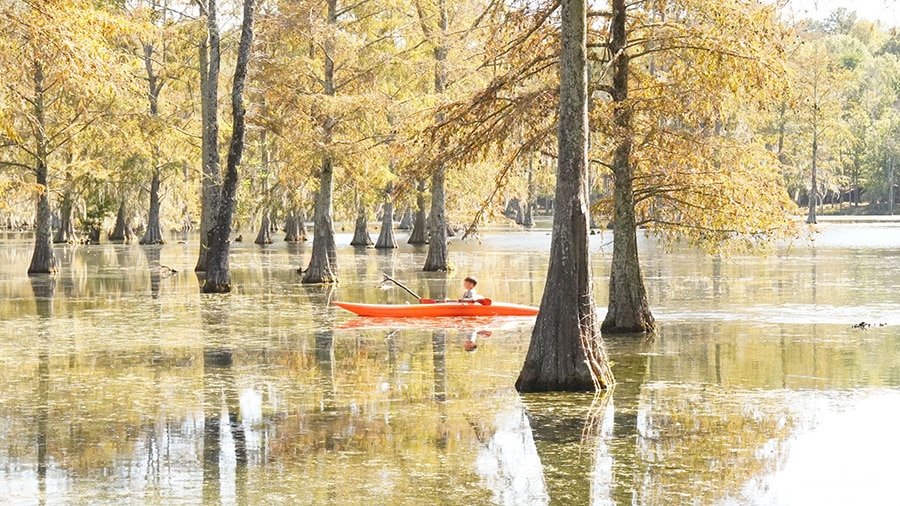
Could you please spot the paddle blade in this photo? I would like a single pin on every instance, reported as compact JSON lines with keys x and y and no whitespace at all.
{"x":484,"y":302}
{"x":427,"y":301}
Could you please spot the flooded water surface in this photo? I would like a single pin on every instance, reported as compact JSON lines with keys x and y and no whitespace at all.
{"x":121,"y":383}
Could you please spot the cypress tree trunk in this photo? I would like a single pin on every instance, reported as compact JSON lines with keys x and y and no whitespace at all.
{"x":66,"y":231}
{"x":218,"y":272}
{"x":42,"y":259}
{"x":527,"y":220}
{"x":386,"y":239}
{"x":629,"y":310}
{"x":264,"y":236}
{"x":406,"y":221}
{"x":323,"y":264}
{"x":122,"y":230}
{"x":301,"y":226}
{"x":290,"y":227}
{"x":361,"y":232}
{"x":294,"y":228}
{"x":418,"y":234}
{"x":814,"y":184}
{"x":209,"y":89}
{"x":437,"y":258}
{"x":153,"y":234}
{"x":566,"y":352}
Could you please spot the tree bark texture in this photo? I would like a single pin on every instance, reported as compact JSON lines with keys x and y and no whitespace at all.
{"x":66,"y":231}
{"x":566,"y":352}
{"x":264,"y":236}
{"x":406,"y":220}
{"x":386,"y":239}
{"x":323,"y":264}
{"x":294,"y":227}
{"x":361,"y":231}
{"x":211,"y":181}
{"x":42,"y":259}
{"x":629,"y":309}
{"x":153,"y":234}
{"x":419,"y":234}
{"x":437,"y":259}
{"x":218,"y":272}
{"x":122,"y":230}
{"x":520,"y":214}
{"x":527,"y":219}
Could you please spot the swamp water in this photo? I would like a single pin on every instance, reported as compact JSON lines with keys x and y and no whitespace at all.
{"x":121,"y":384}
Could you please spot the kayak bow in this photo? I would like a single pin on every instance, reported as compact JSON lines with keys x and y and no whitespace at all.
{"x":439,"y":309}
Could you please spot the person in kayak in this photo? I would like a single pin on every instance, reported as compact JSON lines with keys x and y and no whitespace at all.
{"x":470,"y":295}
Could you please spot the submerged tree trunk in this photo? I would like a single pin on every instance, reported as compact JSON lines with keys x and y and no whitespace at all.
{"x":122,"y":230}
{"x":323,"y":264}
{"x":42,"y":259}
{"x":294,"y":228}
{"x":420,"y":225}
{"x":265,"y":235}
{"x":386,"y":239}
{"x":361,"y":231}
{"x":436,"y":260}
{"x":209,"y":96}
{"x":566,"y":352}
{"x":406,"y":220}
{"x":66,"y":231}
{"x":153,"y":234}
{"x":218,"y":271}
{"x":629,"y":309}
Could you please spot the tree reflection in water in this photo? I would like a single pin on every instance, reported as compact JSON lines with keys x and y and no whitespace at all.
{"x":549,"y":448}
{"x":44,"y":288}
{"x":220,"y":397}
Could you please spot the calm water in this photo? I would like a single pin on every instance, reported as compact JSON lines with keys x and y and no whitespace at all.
{"x":122,"y":384}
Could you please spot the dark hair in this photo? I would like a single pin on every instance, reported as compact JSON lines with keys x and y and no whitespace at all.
{"x":472,"y":280}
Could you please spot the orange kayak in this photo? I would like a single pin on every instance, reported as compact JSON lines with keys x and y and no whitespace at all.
{"x":438,"y":309}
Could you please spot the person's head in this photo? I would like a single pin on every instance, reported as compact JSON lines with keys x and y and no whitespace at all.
{"x":470,"y":283}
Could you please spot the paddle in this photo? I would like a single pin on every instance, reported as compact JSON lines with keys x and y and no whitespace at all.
{"x":401,"y":285}
{"x":483,"y":302}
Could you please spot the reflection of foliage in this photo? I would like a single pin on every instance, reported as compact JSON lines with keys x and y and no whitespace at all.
{"x":705,"y":443}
